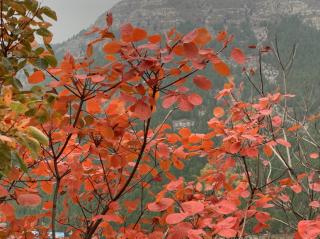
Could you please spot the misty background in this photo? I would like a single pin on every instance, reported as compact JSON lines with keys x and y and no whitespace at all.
{"x":75,"y":15}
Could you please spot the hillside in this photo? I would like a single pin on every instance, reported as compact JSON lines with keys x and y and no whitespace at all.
{"x":158,"y":15}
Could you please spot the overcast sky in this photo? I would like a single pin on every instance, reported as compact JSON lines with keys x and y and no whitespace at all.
{"x":75,"y":15}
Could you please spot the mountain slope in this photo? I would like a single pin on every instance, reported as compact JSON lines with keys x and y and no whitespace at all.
{"x":158,"y":15}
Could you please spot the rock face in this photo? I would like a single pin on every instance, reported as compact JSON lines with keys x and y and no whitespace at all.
{"x":158,"y":15}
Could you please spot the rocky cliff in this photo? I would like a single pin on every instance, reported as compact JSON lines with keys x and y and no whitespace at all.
{"x":158,"y":15}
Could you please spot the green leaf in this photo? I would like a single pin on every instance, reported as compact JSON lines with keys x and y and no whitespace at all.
{"x":51,"y":60}
{"x":44,"y":32}
{"x":38,"y":135}
{"x":31,"y":143}
{"x":41,"y":63}
{"x":49,"y":13}
{"x":18,"y":107}
{"x":5,"y":159}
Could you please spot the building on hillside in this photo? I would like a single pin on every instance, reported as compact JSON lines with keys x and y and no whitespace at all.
{"x":182,"y":123}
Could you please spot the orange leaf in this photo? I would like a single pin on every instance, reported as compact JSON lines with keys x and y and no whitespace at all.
{"x":46,"y":187}
{"x":138,"y":34}
{"x":221,"y":36}
{"x":267,"y":151}
{"x":36,"y":77}
{"x":107,"y":132}
{"x":185,"y":132}
{"x":294,"y":127}
{"x":141,"y":110}
{"x":203,"y":36}
{"x":112,"y":47}
{"x":190,"y":50}
{"x":221,"y":68}
{"x":154,"y":38}
{"x":3,"y":192}
{"x":218,"y":112}
{"x":93,"y":106}
{"x":238,"y":56}
{"x":202,"y":82}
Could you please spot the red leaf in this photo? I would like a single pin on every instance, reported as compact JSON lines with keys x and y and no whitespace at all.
{"x":224,"y":228}
{"x":263,"y":217}
{"x":314,"y":204}
{"x":179,"y":231}
{"x":191,"y":50}
{"x":267,"y":151}
{"x":174,"y":185}
{"x":109,"y":218}
{"x":189,"y":37}
{"x":195,"y":99}
{"x":283,"y":142}
{"x":228,"y":233}
{"x":29,"y":200}
{"x":315,"y":186}
{"x":229,"y":222}
{"x":109,"y":19}
{"x":3,"y":192}
{"x":161,"y":205}
{"x":221,"y":36}
{"x":202,"y":82}
{"x":36,"y":77}
{"x":235,"y":148}
{"x":93,"y":106}
{"x":175,"y":218}
{"x":296,"y":188}
{"x":126,"y":32}
{"x":192,"y":207}
{"x":168,"y":101}
{"x":238,"y":56}
{"x":218,"y":112}
{"x":97,"y":78}
{"x":139,"y":34}
{"x":112,"y":47}
{"x":154,"y":39}
{"x":184,"y":104}
{"x":221,"y":68}
{"x":314,"y":155}
{"x":309,"y":229}
{"x":276,"y":121}
{"x":142,"y":110}
{"x":225,"y":207}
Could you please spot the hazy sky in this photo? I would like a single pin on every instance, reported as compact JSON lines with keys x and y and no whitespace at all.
{"x":75,"y":15}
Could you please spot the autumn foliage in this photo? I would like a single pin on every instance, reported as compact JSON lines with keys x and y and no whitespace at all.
{"x":101,"y":157}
